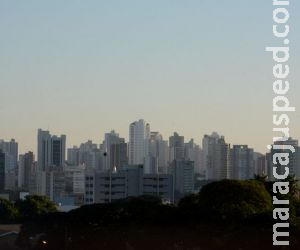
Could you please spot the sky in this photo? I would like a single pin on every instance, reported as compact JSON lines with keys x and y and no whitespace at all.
{"x":82,"y":68}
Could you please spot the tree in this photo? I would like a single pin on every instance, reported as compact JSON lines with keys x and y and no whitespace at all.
{"x":294,"y":190}
{"x":35,"y":206}
{"x":261,"y":178}
{"x":8,"y":213}
{"x":232,"y":200}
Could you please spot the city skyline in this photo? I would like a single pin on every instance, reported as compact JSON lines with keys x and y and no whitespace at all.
{"x":198,"y":140}
{"x":84,"y":69}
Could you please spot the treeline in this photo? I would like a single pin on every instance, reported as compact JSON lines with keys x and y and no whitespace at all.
{"x":228,"y":204}
{"x":31,"y":208}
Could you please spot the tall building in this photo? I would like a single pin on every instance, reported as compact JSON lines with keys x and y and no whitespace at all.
{"x":158,"y":155}
{"x":260,"y":164}
{"x":51,"y":150}
{"x":193,"y":152}
{"x":115,"y":150}
{"x":73,"y":156}
{"x":139,"y":136}
{"x":2,"y":170}
{"x":10,"y":148}
{"x":26,"y":162}
{"x":118,"y":155}
{"x":176,"y":145}
{"x":242,"y":162}
{"x":217,"y":158}
{"x":87,"y":154}
{"x":206,"y":141}
{"x":294,"y":158}
{"x":183,"y":173}
{"x":163,"y":157}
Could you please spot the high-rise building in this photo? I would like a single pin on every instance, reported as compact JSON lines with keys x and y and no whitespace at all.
{"x":260,"y":164}
{"x":294,"y":158}
{"x":115,"y":150}
{"x":25,"y":169}
{"x":183,"y":173}
{"x":2,"y":170}
{"x":73,"y":156}
{"x":51,"y":150}
{"x":242,"y":162}
{"x":193,"y":152}
{"x":118,"y":155}
{"x":10,"y":148}
{"x":158,"y":156}
{"x":139,"y":136}
{"x":206,"y":141}
{"x":176,"y":145}
{"x":163,"y":157}
{"x":217,"y":158}
{"x":87,"y":154}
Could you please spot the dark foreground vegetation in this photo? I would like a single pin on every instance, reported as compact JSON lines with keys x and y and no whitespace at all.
{"x":224,"y":215}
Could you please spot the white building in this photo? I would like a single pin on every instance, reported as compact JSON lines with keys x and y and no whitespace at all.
{"x":139,"y":136}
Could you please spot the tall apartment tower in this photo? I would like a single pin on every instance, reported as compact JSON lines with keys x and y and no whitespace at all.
{"x":206,"y":141}
{"x":116,"y":150}
{"x":217,"y":158}
{"x":51,"y":150}
{"x":242,"y":162}
{"x":118,"y":155}
{"x":294,"y":159}
{"x":139,"y":136}
{"x":193,"y":152}
{"x":26,"y":162}
{"x":158,"y":154}
{"x":2,"y":170}
{"x":176,"y":144}
{"x":183,"y":177}
{"x":10,"y":148}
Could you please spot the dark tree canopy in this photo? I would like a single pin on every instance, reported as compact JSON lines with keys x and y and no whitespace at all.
{"x":35,"y":206}
{"x":234,"y":200}
{"x":8,"y":212}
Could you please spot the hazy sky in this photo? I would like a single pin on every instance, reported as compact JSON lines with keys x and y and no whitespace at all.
{"x":84,"y":67}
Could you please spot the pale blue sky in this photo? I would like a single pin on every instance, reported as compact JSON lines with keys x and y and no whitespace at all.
{"x":84,"y":67}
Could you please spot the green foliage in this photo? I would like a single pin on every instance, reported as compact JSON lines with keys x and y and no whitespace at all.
{"x":292,"y":196}
{"x":261,"y":178}
{"x":233,"y":203}
{"x":231,"y":200}
{"x":8,"y":212}
{"x":296,"y":205}
{"x":293,"y":185}
{"x":130,"y":210}
{"x":35,"y":206}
